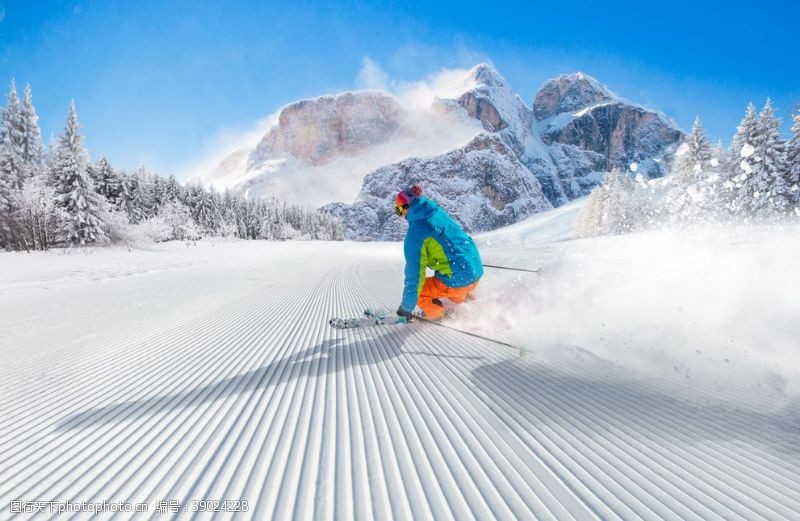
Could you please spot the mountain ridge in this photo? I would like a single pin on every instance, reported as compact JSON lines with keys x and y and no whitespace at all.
{"x":335,"y":146}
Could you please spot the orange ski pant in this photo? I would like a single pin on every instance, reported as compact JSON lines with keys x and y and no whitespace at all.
{"x":436,"y":289}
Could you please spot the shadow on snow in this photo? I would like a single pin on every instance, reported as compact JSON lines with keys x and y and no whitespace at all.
{"x":330,"y":356}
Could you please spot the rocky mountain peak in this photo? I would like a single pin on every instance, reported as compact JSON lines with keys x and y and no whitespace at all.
{"x":316,"y":130}
{"x":496,"y":106}
{"x":569,"y":92}
{"x":485,"y":74}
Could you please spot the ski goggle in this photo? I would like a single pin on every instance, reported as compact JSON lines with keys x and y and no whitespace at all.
{"x":400,"y":209}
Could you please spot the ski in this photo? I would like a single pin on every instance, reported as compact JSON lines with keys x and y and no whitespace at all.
{"x":521,"y":350}
{"x":384,"y":317}
{"x":378,"y":320}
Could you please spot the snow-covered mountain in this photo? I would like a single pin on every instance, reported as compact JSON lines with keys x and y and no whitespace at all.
{"x":577,"y":111}
{"x":334,"y":150}
{"x":316,"y":131}
{"x":483,"y":184}
{"x":319,"y":150}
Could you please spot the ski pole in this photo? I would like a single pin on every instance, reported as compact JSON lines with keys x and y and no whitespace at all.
{"x":429,"y":321}
{"x":507,"y":268}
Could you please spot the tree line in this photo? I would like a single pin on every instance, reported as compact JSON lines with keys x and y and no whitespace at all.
{"x":757,"y":179}
{"x":56,"y":196}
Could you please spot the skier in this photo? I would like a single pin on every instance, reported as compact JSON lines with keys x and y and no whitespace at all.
{"x":436,"y":241}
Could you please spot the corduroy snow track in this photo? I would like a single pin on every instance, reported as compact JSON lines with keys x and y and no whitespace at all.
{"x":253,"y":397}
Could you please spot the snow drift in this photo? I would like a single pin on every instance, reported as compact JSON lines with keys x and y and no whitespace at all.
{"x":713,"y":310}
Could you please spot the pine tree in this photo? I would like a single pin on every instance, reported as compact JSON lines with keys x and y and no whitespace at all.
{"x":39,"y":219}
{"x":142,"y":192}
{"x":74,"y":188}
{"x":204,"y":211}
{"x":12,"y":140}
{"x":158,"y":193}
{"x":129,"y":199}
{"x":49,"y":157}
{"x":107,"y":181}
{"x":590,"y":220}
{"x":793,"y":161}
{"x":172,"y":191}
{"x":694,"y":156}
{"x":762,"y":189}
{"x":32,"y":154}
{"x":733,"y":174}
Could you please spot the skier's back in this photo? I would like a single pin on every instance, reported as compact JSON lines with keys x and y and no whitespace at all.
{"x":436,"y":241}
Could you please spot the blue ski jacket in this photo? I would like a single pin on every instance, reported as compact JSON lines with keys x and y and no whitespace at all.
{"x":434,"y":240}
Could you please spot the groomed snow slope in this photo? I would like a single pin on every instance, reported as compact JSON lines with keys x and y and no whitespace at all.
{"x":210,"y":372}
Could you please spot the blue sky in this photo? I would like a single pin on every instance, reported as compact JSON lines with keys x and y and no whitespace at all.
{"x":157,"y":82}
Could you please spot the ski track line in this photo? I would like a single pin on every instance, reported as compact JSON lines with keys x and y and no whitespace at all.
{"x":493,"y":493}
{"x":582,"y":414}
{"x":257,"y":399}
{"x":556,"y":464}
{"x":111,"y":380}
{"x":643,"y":487}
{"x":208,"y":461}
{"x":68,"y":356}
{"x":213,"y":438}
{"x":767,"y":462}
{"x":765,"y":513}
{"x":78,"y":433}
{"x":538,"y":508}
{"x":172,"y":337}
{"x":578,"y":484}
{"x":723,"y":468}
{"x":65,"y":350}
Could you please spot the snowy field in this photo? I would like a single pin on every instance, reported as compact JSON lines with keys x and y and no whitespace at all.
{"x":661,"y":380}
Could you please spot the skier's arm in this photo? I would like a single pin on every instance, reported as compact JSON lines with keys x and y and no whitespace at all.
{"x":416,"y":260}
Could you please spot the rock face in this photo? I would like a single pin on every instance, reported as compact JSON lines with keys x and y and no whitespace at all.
{"x":622,"y":133}
{"x":567,"y":93}
{"x":579,"y":171}
{"x":576,"y":110}
{"x":317,"y":130}
{"x":503,"y":112}
{"x":497,"y":107}
{"x":483,"y":185}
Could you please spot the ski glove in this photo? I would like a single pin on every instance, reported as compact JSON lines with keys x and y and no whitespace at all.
{"x":404,"y":313}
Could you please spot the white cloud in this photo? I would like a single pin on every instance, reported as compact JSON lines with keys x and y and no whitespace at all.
{"x":231,"y":146}
{"x":371,"y":76}
{"x":444,"y":83}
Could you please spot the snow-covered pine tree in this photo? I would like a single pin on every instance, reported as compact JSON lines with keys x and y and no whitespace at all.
{"x":143,"y":192}
{"x":172,"y":191}
{"x":40,"y":221}
{"x":793,"y":162}
{"x":32,"y":152}
{"x":204,"y":211}
{"x":49,"y":157}
{"x":229,"y":211}
{"x":687,"y":201}
{"x":12,"y":142}
{"x":217,"y":208}
{"x":732,"y":173}
{"x":762,"y":188}
{"x":74,"y":188}
{"x":158,"y":193}
{"x":107,"y":181}
{"x":616,"y":208}
{"x":590,"y":219}
{"x":693,"y":156}
{"x":127,"y":202}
